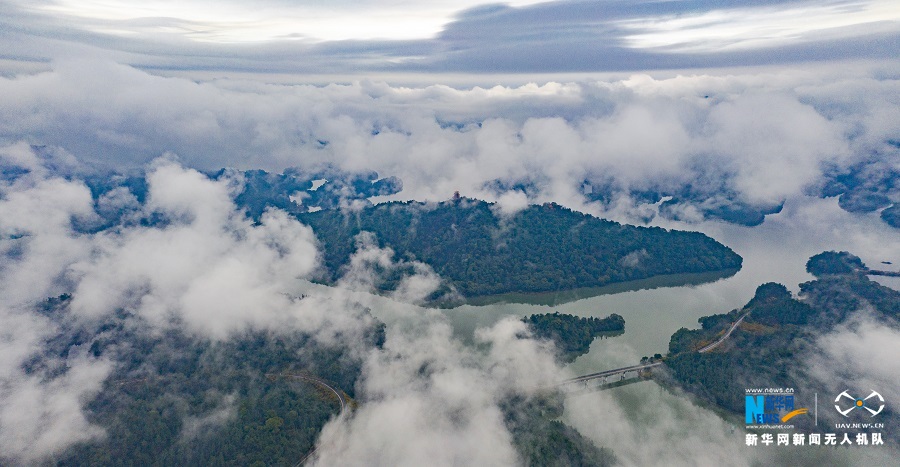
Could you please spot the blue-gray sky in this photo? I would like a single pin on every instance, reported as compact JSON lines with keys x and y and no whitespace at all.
{"x":441,"y":36}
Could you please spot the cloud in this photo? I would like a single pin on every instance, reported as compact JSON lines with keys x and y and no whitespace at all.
{"x":196,"y":426}
{"x":427,"y":398}
{"x":197,"y":264}
{"x":774,"y":157}
{"x":42,"y":416}
{"x":468,"y":36}
{"x":644,"y":433}
{"x":204,"y":264}
{"x":856,"y":357}
{"x":40,"y":413}
{"x":440,"y":418}
{"x":756,"y":25}
{"x":755,"y":138}
{"x":194,"y":263}
{"x":511,"y":202}
{"x":233,"y":22}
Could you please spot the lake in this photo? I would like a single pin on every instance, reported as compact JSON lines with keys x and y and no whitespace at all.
{"x":643,"y":422}
{"x":775,"y":251}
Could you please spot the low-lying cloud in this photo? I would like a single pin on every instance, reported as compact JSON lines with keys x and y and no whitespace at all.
{"x":189,"y":261}
{"x":857,"y":357}
{"x":192,"y":263}
{"x":755,"y":139}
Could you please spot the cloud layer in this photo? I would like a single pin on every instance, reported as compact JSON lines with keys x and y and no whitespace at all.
{"x":469,"y":36}
{"x":751,"y":138}
{"x":185,"y":258}
{"x":193,"y":263}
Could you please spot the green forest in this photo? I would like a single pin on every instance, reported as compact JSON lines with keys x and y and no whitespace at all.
{"x":573,"y":335}
{"x":542,"y":440}
{"x":779,"y":328}
{"x":176,"y":399}
{"x":539,"y":249}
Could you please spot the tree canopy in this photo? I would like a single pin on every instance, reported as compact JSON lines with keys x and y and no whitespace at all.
{"x":481,"y":252}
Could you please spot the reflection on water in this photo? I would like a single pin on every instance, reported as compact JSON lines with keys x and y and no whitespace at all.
{"x":775,"y":251}
{"x":566,"y":296}
{"x":644,"y":423}
{"x":892,"y":282}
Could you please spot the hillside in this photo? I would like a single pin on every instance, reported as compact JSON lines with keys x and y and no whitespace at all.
{"x":539,"y":249}
{"x":573,"y":335}
{"x":778,"y":332}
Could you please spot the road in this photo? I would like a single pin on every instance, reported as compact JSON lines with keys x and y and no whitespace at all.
{"x":638,"y":368}
{"x":608,"y":373}
{"x":725,"y":336}
{"x":321,"y":382}
{"x":315,"y":379}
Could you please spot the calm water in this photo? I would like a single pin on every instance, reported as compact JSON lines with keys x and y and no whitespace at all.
{"x":643,"y":422}
{"x":776,"y":251}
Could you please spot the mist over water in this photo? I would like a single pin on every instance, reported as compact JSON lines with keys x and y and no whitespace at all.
{"x":644,"y":422}
{"x":775,"y":251}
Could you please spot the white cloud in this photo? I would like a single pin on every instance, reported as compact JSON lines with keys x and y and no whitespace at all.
{"x":775,"y":144}
{"x":36,"y":216}
{"x":41,"y":416}
{"x":234,"y":22}
{"x":858,"y":356}
{"x":429,"y":399}
{"x":743,"y":28}
{"x":206,"y":268}
{"x":511,"y":202}
{"x":206,"y":265}
{"x":669,"y":430}
{"x":762,"y":136}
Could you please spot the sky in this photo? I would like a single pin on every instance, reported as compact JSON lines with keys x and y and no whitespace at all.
{"x":441,"y":36}
{"x":755,"y":102}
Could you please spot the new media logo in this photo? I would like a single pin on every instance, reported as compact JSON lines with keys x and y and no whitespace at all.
{"x":858,"y":403}
{"x":771,"y":408}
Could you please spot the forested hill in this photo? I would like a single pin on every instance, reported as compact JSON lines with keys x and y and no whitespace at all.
{"x":571,"y":334}
{"x":774,"y":344}
{"x":539,"y":249}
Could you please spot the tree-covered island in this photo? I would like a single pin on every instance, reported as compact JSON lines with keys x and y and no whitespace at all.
{"x":573,"y":335}
{"x":548,"y":248}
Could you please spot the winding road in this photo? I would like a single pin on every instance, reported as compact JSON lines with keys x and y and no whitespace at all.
{"x":321,"y":382}
{"x":315,"y":379}
{"x":734,"y":326}
{"x":621,"y":372}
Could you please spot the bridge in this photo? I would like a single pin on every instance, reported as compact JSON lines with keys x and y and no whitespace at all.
{"x":611,"y":376}
{"x":630,"y":374}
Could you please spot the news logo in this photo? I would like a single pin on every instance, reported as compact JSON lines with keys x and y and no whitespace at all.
{"x":771,"y":407}
{"x":858,"y":403}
